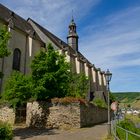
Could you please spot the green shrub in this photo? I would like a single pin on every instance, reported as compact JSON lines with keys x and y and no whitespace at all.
{"x":130,"y":126}
{"x":112,"y":97}
{"x":4,"y":103}
{"x":50,"y":74}
{"x":6,"y":132}
{"x":78,"y":85}
{"x":18,"y":89}
{"x":99,"y":102}
{"x":4,"y":37}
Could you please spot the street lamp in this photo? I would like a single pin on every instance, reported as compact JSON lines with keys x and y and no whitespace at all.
{"x":108,"y":77}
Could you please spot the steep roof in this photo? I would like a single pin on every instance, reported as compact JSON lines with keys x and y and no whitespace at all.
{"x":20,"y":23}
{"x":61,"y":44}
{"x":24,"y":25}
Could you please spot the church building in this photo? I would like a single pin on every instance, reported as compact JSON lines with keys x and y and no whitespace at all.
{"x":28,"y":38}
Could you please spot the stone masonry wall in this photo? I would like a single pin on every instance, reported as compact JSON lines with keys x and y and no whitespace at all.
{"x":63,"y":116}
{"x":91,"y":115}
{"x":7,"y":114}
{"x":44,"y":114}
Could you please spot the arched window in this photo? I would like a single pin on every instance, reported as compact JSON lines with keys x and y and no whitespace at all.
{"x":16,"y":59}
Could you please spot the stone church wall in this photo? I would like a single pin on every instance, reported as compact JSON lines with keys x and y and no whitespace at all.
{"x":28,"y":48}
{"x":1,"y":24}
{"x":17,"y":40}
{"x":29,"y":43}
{"x":64,"y":116}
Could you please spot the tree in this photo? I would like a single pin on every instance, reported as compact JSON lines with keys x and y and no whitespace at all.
{"x":78,"y":85}
{"x":18,"y":89}
{"x":112,"y":97}
{"x":4,"y":37}
{"x":50,"y":74}
{"x":99,"y":102}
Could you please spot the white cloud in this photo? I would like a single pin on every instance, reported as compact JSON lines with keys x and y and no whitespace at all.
{"x":117,"y":35}
{"x":53,"y":14}
{"x":104,"y":42}
{"x":110,"y":41}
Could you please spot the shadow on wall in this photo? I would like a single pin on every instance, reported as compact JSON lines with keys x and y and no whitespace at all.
{"x":20,"y":115}
{"x":91,"y":115}
{"x":38,"y":114}
{"x":64,"y":116}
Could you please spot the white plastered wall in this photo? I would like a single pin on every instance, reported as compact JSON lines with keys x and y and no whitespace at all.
{"x":67,"y":56}
{"x":93,"y":75}
{"x":100,"y":78}
{"x":33,"y":47}
{"x":104,"y":80}
{"x":86,"y":69}
{"x":17,"y":40}
{"x":77,"y":65}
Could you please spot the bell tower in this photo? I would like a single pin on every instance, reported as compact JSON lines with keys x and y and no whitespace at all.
{"x":72,"y":38}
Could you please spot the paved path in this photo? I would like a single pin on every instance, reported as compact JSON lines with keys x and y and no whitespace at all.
{"x":92,"y":133}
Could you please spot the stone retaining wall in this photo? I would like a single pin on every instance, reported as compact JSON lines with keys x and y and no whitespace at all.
{"x":91,"y":115}
{"x":63,"y":116}
{"x":7,"y":114}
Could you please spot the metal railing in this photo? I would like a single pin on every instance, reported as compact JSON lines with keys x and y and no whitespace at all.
{"x":127,"y":133}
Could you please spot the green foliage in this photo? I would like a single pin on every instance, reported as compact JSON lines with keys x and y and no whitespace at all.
{"x":126,"y":98}
{"x":112,"y":97}
{"x":4,"y":37}
{"x":50,"y":74}
{"x":6,"y":132}
{"x":51,"y":77}
{"x":109,"y":137}
{"x":130,"y":126}
{"x":18,"y":89}
{"x":4,"y":103}
{"x":99,"y":102}
{"x":78,"y":85}
{"x":130,"y":96}
{"x":134,"y":118}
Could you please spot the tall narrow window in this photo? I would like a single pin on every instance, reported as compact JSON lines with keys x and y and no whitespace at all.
{"x":16,"y":59}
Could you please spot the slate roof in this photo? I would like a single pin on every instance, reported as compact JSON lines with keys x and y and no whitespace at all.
{"x":7,"y":16}
{"x":61,"y":44}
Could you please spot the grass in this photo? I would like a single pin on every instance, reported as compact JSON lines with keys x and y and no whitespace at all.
{"x":99,"y":102}
{"x":133,"y":118}
{"x":136,"y":104}
{"x":109,"y":137}
{"x":122,"y":135}
{"x":126,"y":98}
{"x":130,"y":126}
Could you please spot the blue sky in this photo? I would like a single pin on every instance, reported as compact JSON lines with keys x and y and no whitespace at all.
{"x":109,"y":32}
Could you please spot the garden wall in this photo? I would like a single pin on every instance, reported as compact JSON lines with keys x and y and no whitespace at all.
{"x":7,"y":114}
{"x":64,"y":116}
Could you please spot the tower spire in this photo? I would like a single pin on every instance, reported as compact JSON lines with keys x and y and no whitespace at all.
{"x":72,"y":37}
{"x":72,"y":16}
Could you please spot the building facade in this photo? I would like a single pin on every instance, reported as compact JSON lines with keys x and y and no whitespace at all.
{"x":28,"y":38}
